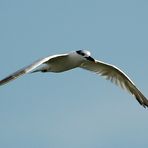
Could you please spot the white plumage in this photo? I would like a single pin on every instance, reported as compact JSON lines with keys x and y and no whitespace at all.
{"x":81,"y":59}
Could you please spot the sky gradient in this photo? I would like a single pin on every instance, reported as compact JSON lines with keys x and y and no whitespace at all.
{"x":75,"y":109}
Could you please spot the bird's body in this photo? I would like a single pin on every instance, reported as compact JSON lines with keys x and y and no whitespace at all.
{"x":62,"y":63}
{"x":81,"y":59}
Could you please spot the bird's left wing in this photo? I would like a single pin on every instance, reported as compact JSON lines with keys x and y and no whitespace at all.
{"x":115,"y":75}
{"x":25,"y":70}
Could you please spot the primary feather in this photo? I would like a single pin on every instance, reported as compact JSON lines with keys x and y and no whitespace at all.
{"x":116,"y":76}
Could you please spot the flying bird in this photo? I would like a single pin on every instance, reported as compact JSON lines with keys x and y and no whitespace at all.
{"x":82,"y":59}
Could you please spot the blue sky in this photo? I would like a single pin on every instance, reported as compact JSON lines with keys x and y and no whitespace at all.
{"x":75,"y":109}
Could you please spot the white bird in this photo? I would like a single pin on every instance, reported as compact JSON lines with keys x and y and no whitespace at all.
{"x":82,"y":59}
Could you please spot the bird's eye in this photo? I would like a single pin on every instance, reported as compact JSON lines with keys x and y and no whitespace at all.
{"x":83,"y":54}
{"x":80,"y":52}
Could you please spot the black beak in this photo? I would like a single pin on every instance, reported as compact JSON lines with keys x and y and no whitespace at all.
{"x":90,"y":59}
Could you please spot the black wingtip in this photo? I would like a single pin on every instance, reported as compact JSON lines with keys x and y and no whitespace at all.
{"x":6,"y":80}
{"x":143,"y":101}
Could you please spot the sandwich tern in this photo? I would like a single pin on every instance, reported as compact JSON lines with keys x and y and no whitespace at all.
{"x":82,"y":59}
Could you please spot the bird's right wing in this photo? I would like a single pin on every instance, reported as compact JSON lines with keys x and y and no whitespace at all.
{"x":26,"y":69}
{"x":114,"y":74}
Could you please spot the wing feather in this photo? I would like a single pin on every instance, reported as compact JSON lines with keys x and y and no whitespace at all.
{"x":115,"y":75}
{"x":26,"y":69}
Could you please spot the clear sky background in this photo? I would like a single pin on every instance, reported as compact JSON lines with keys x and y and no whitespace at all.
{"x":75,"y":109}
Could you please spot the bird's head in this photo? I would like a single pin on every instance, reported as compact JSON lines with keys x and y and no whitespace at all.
{"x":85,"y":54}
